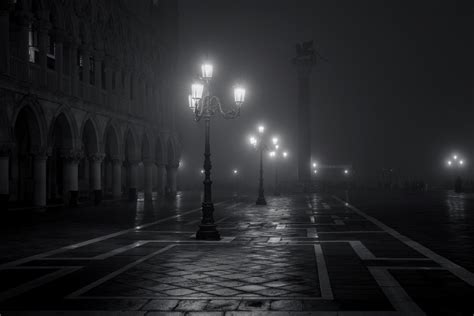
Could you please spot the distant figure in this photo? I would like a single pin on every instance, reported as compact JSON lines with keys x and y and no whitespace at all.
{"x":458,"y":185}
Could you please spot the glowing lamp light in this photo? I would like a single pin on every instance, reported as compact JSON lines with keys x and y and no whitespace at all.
{"x":192,"y":104}
{"x":315,"y":171}
{"x":207,"y":70}
{"x":272,"y":154}
{"x":275,"y":140}
{"x":461,"y":162}
{"x":450,"y":162}
{"x":196,"y":91}
{"x":346,"y":171}
{"x":239,"y":95}
{"x":285,"y":154}
{"x":261,"y":129}
{"x":315,"y":165}
{"x":202,"y":171}
{"x":455,"y":157}
{"x":235,"y":171}
{"x":277,"y":146}
{"x":253,"y":141}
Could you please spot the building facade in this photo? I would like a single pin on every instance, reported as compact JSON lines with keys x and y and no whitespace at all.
{"x":86,"y":100}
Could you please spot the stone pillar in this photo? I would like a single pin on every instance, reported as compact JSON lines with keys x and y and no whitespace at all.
{"x":148,"y":179}
{"x":95,"y":162}
{"x":70,"y":176}
{"x":5,"y":36}
{"x":132,"y":179}
{"x":116,"y":178}
{"x":171,"y":179}
{"x":39,"y":178}
{"x":303,"y":63}
{"x":4,"y":177}
{"x":160,"y":179}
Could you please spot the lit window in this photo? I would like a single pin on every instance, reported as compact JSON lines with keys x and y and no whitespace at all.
{"x":33,"y":50}
{"x":80,"y":64}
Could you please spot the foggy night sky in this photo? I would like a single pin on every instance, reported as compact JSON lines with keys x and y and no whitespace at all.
{"x":397,"y":91}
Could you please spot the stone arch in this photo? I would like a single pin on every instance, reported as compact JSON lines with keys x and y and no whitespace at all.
{"x":146,"y":150}
{"x":27,"y":133}
{"x":111,"y":141}
{"x":69,"y":132}
{"x":90,"y":136}
{"x":172,"y":152}
{"x":34,"y":108}
{"x":130,"y":148}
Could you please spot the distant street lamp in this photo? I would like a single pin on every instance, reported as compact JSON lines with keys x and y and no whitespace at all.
{"x":235,"y":174}
{"x":204,"y":105}
{"x":260,"y":145}
{"x":456,"y":163}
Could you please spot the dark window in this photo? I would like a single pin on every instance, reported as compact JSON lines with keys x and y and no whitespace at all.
{"x":51,"y":55}
{"x":113,"y":80}
{"x":91,"y":70}
{"x":103,"y":74}
{"x":66,"y":59}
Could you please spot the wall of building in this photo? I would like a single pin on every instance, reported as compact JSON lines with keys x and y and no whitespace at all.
{"x":86,"y":100}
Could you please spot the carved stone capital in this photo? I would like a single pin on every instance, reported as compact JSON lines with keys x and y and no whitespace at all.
{"x":97,"y":157}
{"x":72,"y":155}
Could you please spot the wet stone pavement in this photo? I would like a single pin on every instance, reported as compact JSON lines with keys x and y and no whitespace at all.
{"x":300,"y":255}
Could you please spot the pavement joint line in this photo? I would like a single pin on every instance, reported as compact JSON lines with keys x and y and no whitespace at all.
{"x":22,"y":288}
{"x":454,"y":268}
{"x":323,"y":275}
{"x":183,"y":313}
{"x":395,"y":293}
{"x":355,"y":232}
{"x":117,"y":272}
{"x":312,"y":232}
{"x":94,"y":240}
{"x":210,"y":297}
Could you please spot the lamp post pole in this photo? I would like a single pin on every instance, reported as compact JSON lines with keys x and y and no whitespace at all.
{"x":204,"y":105}
{"x":277,"y":191}
{"x":261,"y":197}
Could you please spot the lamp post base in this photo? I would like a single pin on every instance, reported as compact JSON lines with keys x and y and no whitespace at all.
{"x":208,"y":232}
{"x":261,"y":201}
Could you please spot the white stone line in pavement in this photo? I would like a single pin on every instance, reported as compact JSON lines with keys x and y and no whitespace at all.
{"x":365,"y":254}
{"x":454,"y":268}
{"x":210,"y":297}
{"x":325,"y":284}
{"x":94,"y":240}
{"x":183,"y":313}
{"x":312,"y":219}
{"x":355,"y":232}
{"x":103,"y":256}
{"x":25,"y":287}
{"x":117,"y":272}
{"x":395,"y":292}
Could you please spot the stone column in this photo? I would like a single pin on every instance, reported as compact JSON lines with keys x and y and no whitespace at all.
{"x":70,"y":175}
{"x":116,"y":178}
{"x":148,"y":177}
{"x":95,"y":162}
{"x":39,"y":178}
{"x":132,"y":180}
{"x":171,"y":179}
{"x":303,"y":63}
{"x":4,"y":177}
{"x":160,"y":178}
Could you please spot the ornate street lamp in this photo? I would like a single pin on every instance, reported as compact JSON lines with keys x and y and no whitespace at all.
{"x":205,"y":105}
{"x":260,"y":145}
